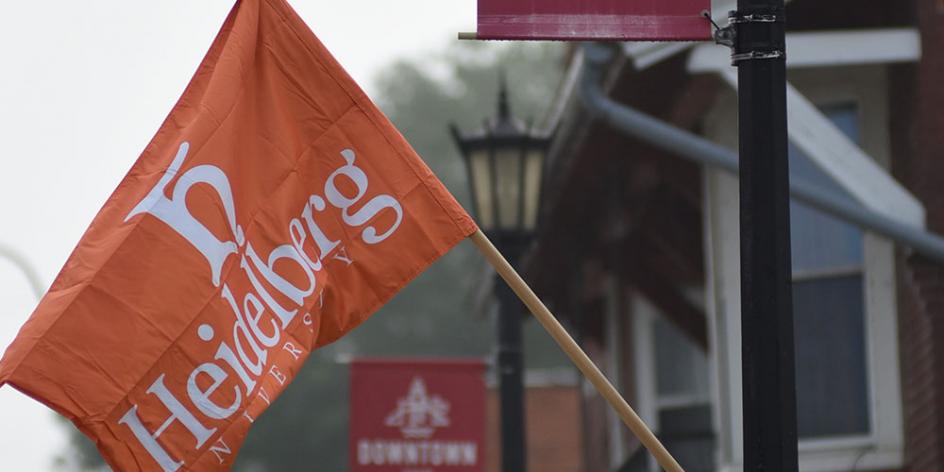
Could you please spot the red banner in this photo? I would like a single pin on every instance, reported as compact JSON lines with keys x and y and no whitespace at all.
{"x":275,"y":209}
{"x":416,"y":415}
{"x":579,"y":20}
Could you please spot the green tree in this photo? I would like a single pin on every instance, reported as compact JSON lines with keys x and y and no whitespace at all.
{"x":307,"y":428}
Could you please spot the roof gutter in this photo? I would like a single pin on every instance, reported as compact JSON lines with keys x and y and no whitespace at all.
{"x":677,"y":141}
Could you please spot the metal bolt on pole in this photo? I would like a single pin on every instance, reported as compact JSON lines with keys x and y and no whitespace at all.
{"x":767,"y":349}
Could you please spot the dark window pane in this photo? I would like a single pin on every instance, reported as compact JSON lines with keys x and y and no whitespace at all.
{"x":821,"y":242}
{"x":687,"y":434}
{"x":832,"y":398}
{"x":681,"y":368}
{"x":846,"y":118}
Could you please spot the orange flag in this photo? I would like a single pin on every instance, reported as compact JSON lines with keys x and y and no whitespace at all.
{"x":275,"y":209}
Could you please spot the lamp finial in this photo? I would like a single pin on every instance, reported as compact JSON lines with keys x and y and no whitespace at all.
{"x":504,"y":111}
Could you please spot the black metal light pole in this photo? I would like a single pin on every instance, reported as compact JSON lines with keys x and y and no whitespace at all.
{"x":510,"y":363}
{"x":505,"y":163}
{"x":767,"y":349}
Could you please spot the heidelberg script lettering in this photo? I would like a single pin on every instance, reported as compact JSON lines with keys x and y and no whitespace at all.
{"x":255,"y":329}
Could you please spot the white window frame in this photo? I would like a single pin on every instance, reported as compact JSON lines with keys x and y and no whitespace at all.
{"x":649,"y":402}
{"x":882,"y":447}
{"x":615,"y":334}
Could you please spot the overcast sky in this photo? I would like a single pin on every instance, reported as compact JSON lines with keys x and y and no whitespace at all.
{"x":83,"y":88}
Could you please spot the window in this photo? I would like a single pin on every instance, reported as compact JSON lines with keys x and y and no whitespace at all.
{"x":828,"y":307}
{"x":844,"y":295}
{"x":674,"y":389}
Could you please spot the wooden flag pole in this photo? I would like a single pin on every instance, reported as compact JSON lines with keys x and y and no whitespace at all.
{"x":570,"y":347}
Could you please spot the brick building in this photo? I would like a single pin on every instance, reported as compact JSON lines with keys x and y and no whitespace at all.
{"x":553,"y":408}
{"x":639,"y":247}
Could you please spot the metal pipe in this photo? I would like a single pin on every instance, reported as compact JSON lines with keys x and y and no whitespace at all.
{"x":691,"y":146}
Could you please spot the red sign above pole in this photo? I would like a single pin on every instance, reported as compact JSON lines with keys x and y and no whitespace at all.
{"x":578,"y":20}
{"x":417,"y":415}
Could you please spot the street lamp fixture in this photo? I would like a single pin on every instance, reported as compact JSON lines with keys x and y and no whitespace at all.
{"x":505,"y":164}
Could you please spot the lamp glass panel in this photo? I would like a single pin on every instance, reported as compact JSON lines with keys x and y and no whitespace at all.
{"x":481,"y":177}
{"x":533,"y":168}
{"x":508,"y":186}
